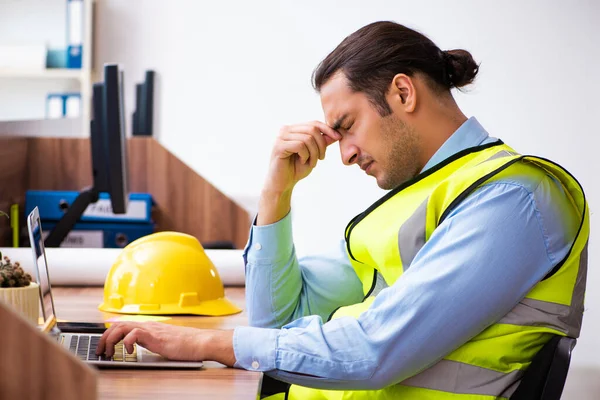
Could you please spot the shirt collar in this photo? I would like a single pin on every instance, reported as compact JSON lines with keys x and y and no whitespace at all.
{"x":469,"y":134}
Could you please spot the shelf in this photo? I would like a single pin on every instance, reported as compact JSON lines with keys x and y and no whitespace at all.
{"x":33,"y":84}
{"x":59,"y":127}
{"x":58,"y":73}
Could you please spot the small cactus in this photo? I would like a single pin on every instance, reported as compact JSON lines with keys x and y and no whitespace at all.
{"x":12,"y":275}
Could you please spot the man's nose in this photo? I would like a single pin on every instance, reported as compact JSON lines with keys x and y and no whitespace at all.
{"x":349,"y":153}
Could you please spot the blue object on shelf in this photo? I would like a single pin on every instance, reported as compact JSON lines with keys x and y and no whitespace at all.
{"x":75,"y":17}
{"x":74,"y":57}
{"x":56,"y":58}
{"x":102,"y":234}
{"x":53,"y":204}
{"x":63,"y":105}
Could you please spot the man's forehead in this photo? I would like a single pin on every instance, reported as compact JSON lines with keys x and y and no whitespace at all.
{"x":336,"y":99}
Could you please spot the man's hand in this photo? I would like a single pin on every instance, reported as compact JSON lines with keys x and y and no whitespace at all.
{"x":295,"y":154}
{"x":170,"y":341}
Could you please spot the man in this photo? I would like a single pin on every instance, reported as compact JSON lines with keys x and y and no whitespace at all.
{"x":444,"y":288}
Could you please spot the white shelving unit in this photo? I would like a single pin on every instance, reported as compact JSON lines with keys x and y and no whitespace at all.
{"x":58,"y":73}
{"x":80,"y":78}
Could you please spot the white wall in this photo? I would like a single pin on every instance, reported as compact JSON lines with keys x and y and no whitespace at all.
{"x":232,"y":72}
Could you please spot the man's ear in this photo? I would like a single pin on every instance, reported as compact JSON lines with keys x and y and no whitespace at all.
{"x":402,"y":94}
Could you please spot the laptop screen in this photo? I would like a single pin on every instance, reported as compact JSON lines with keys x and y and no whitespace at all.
{"x":40,"y":263}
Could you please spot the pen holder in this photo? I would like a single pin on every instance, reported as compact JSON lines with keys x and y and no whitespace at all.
{"x":18,"y":291}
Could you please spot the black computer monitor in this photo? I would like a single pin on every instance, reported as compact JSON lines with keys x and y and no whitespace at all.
{"x":116,"y":140}
{"x":108,"y":145}
{"x":143,"y":116}
{"x":97,"y":140}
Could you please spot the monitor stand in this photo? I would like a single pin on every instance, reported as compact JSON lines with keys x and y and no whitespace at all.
{"x":68,"y":221}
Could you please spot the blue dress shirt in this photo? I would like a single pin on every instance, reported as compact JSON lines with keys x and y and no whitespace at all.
{"x":478,"y":264}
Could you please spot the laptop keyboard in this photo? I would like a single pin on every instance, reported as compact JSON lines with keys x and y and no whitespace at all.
{"x":84,"y":347}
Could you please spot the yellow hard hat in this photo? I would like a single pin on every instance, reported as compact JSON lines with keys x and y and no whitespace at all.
{"x":165,"y":273}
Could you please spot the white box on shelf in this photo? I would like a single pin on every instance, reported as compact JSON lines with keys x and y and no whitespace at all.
{"x":32,"y":57}
{"x":55,"y":106}
{"x":73,"y":105}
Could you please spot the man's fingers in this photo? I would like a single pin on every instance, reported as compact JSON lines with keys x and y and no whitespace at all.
{"x":315,"y":133}
{"x":111,"y":337}
{"x":140,"y":336}
{"x":319,"y":130}
{"x":102,"y":343}
{"x":294,"y":147}
{"x":310,"y":142}
{"x":328,"y":131}
{"x":329,"y":140}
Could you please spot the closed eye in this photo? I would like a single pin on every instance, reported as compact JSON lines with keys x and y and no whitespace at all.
{"x":348,"y":128}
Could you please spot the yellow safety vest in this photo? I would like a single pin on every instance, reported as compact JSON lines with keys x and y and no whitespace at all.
{"x":383,"y":240}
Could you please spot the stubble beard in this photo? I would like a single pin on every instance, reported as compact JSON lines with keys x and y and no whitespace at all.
{"x":402,"y":155}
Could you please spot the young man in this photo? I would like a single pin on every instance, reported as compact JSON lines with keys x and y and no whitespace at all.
{"x":444,"y":288}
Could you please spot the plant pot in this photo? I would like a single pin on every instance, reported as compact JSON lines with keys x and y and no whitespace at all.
{"x":24,"y":300}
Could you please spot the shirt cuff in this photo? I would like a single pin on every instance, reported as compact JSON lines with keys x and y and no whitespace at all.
{"x":270,"y":243}
{"x":255,"y":348}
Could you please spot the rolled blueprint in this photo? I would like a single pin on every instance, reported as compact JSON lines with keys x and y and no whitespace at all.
{"x":89,"y":267}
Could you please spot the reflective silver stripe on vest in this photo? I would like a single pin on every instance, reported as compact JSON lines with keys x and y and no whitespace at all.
{"x":500,"y":154}
{"x":411,"y":236}
{"x":380,"y":284}
{"x":577,"y":301}
{"x":456,"y":377}
{"x":566,"y":319}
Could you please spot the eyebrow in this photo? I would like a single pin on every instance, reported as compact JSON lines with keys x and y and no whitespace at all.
{"x":338,"y":124}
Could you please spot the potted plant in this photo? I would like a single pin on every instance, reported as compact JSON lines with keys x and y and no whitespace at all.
{"x":18,"y":291}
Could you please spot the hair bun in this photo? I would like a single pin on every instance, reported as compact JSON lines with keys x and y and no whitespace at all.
{"x":460,"y":68}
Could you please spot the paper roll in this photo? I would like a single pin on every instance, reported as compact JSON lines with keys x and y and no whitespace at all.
{"x":230,"y":264}
{"x":89,"y":267}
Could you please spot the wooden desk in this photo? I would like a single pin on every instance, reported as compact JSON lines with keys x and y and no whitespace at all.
{"x":214,"y":381}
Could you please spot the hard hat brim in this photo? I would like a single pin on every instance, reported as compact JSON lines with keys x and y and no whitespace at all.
{"x":217,"y":307}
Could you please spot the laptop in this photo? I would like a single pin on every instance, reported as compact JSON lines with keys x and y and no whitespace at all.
{"x":84,"y":345}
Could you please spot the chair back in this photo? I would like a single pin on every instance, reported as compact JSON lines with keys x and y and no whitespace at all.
{"x":545,"y":378}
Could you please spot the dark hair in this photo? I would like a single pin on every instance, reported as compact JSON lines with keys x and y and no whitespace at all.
{"x":374,"y":54}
